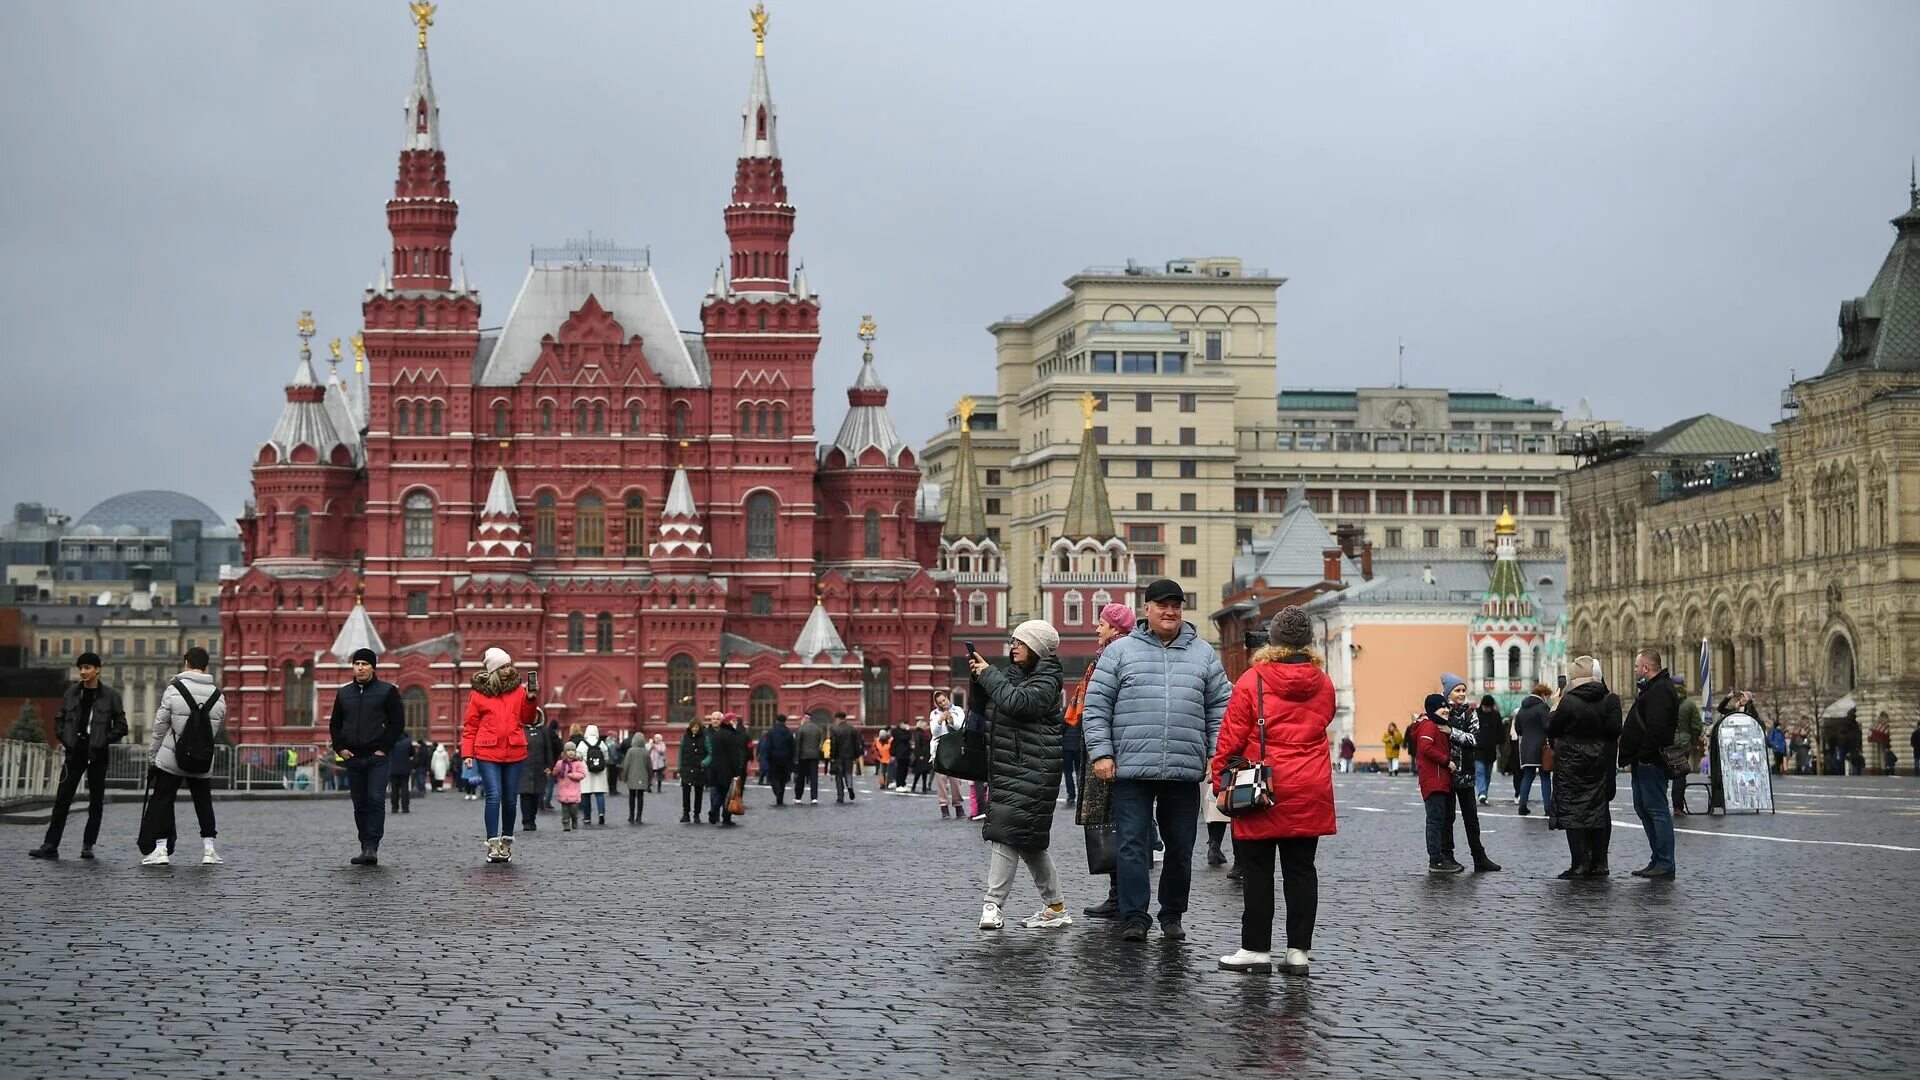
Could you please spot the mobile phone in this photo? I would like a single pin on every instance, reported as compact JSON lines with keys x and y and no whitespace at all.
{"x":971,"y":651}
{"x":1563,"y":682}
{"x":533,"y":681}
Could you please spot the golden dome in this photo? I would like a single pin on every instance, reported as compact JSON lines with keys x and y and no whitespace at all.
{"x":1506,"y":525}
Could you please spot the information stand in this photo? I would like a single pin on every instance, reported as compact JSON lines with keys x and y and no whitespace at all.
{"x":1742,"y":780}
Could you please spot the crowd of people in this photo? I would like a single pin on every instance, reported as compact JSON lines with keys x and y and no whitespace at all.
{"x":1151,"y":741}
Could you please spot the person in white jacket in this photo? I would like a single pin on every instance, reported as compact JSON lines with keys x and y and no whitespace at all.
{"x":164,"y":774}
{"x":594,"y":788}
{"x":946,"y":719}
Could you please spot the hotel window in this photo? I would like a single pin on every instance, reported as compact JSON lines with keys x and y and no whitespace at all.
{"x":1138,"y":363}
{"x":1390,"y":502}
{"x":1469,"y":538}
{"x":1543,"y":538}
{"x":1103,"y":363}
{"x":1189,"y":501}
{"x":1429,"y":502}
{"x":1213,"y":344}
{"x":993,"y":477}
{"x":1242,"y":536}
{"x":1189,"y":534}
{"x":1143,"y":403}
{"x":1464,"y":503}
{"x":1320,"y":500}
{"x":1148,"y":566}
{"x":1189,"y":436}
{"x":1393,"y":538}
{"x":1189,"y":568}
{"x":1353,"y":502}
{"x":1430,"y":538}
{"x":1143,"y":534}
{"x":1189,"y":402}
{"x":1189,"y":470}
{"x":1099,"y":436}
{"x":1143,"y":436}
{"x":1173,"y":363}
{"x":1143,"y":500}
{"x":1539,"y":503}
{"x":1143,"y":469}
{"x":993,"y":506}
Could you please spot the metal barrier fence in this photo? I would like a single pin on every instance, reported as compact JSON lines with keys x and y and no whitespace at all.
{"x":282,"y":767}
{"x":30,"y":770}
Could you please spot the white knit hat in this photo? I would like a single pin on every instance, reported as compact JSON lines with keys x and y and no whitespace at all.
{"x":496,"y":659}
{"x":1038,"y":635}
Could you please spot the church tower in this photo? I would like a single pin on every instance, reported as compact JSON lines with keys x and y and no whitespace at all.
{"x":967,"y":553}
{"x":1088,"y":566}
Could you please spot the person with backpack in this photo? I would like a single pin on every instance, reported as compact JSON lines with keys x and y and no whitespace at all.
{"x":181,"y":751}
{"x":367,"y":721}
{"x":91,"y":719}
{"x":593,"y":790}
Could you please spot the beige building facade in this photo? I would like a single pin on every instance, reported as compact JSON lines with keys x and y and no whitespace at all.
{"x":1199,"y":445}
{"x":1792,"y":555}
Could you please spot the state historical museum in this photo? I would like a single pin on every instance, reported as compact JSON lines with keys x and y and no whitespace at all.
{"x":641,"y":514}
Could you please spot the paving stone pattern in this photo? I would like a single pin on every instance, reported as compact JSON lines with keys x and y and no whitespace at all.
{"x":841,"y":940}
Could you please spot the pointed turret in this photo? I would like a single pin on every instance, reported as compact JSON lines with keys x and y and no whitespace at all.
{"x":759,"y":218}
{"x":1881,"y":330}
{"x":1089,"y":515}
{"x":682,"y":539}
{"x":1505,"y":637}
{"x":497,"y":538}
{"x":819,"y":636}
{"x":422,"y":214}
{"x":966,"y":506}
{"x":867,"y":425}
{"x":308,"y":420}
{"x":356,"y":634}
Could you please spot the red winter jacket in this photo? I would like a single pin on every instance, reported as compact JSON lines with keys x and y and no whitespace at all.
{"x":498,"y":711}
{"x":1430,"y":747}
{"x":1297,"y":699}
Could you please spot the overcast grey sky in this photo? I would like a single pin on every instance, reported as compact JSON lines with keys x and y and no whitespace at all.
{"x":1656,"y":206}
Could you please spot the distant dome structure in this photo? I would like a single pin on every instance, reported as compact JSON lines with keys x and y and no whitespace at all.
{"x":148,"y":513}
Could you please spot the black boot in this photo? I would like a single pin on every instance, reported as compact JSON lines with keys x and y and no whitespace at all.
{"x":1215,"y":857}
{"x":1482,"y":864}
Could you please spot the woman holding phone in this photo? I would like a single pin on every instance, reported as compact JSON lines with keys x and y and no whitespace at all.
{"x":1022,"y":704}
{"x":493,"y":739}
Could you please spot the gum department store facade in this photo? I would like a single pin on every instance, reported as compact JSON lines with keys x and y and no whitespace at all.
{"x":639,"y":513}
{"x":1794,"y":554}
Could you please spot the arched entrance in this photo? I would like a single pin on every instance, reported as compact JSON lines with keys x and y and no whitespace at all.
{"x":1840,"y":671}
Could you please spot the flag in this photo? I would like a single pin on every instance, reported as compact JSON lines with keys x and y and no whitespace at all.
{"x":1706,"y":673}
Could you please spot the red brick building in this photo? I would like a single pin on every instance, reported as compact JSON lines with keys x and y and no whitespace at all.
{"x":641,"y":513}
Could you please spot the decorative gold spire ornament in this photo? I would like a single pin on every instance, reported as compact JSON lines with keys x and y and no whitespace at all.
{"x":359,"y":354}
{"x":759,"y":17}
{"x":867,"y":329}
{"x":965,"y":409}
{"x":335,"y":346}
{"x":1505,"y":525}
{"x":1088,"y":403}
{"x":306,"y":335}
{"x":423,"y":17}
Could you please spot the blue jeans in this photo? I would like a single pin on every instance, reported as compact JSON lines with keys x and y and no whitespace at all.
{"x":1138,"y":805}
{"x":1527,"y":773}
{"x":501,"y":779}
{"x":1650,"y":802}
{"x":717,"y":795}
{"x":367,"y":780}
{"x":1482,"y":774}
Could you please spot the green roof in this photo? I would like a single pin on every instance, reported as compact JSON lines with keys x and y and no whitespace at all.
{"x":1487,"y":401}
{"x":966,"y":508}
{"x":1330,"y":400}
{"x":1705,"y":435}
{"x":1881,"y":330}
{"x":1088,"y":513}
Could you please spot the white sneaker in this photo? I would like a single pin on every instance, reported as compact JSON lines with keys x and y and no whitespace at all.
{"x":1047,"y":919}
{"x":1245,"y":960}
{"x":210,"y":857}
{"x":978,"y":817}
{"x":1160,"y":855}
{"x":157,"y":857}
{"x":815,"y":801}
{"x":1297,"y":961}
{"x":990,"y":918}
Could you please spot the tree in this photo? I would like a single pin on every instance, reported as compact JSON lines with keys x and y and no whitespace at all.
{"x":26,"y":728}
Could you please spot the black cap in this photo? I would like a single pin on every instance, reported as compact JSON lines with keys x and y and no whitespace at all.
{"x":88,"y":658}
{"x":1165,"y":589}
{"x":368,"y":655}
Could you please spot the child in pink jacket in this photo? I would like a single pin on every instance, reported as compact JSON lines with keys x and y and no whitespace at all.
{"x":569,"y":770}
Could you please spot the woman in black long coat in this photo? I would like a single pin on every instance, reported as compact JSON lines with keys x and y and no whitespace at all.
{"x":1024,"y":718}
{"x":1585,"y":730}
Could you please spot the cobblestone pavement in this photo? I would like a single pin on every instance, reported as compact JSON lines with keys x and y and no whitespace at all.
{"x":840,"y":940}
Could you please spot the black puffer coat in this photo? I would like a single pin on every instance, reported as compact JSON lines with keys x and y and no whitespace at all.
{"x":1024,"y":718}
{"x":1585,"y":730}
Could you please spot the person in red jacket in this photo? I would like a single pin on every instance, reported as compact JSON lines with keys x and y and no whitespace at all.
{"x":494,"y":739}
{"x":1278,"y":716}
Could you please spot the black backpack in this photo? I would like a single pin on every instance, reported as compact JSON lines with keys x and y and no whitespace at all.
{"x":193,"y":743}
{"x":596,"y":758}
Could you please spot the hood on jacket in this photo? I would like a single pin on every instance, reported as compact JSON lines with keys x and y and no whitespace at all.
{"x":495,"y":683}
{"x":1290,"y":682}
{"x":592,"y":737}
{"x":1589,"y":690}
{"x":1273,"y":654}
{"x":1432,"y":707}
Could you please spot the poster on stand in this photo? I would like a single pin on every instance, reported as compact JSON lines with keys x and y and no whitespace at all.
{"x":1742,"y":780}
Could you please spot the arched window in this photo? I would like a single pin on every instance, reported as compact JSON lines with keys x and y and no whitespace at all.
{"x":633,"y":418}
{"x":760,"y":708}
{"x":977,"y":609}
{"x":1513,"y":662}
{"x":589,"y":526}
{"x":1100,"y":600}
{"x":879,"y":694}
{"x":763,"y":315}
{"x":297,"y":686}
{"x":779,"y":419}
{"x":872,"y":545}
{"x":302,"y":526}
{"x":1487,"y":655}
{"x":403,"y":419}
{"x":579,"y":418}
{"x":419,"y":418}
{"x":499,"y":418}
{"x":680,"y":419}
{"x":417,"y":525}
{"x":599,"y":418}
{"x":546,"y":418}
{"x":680,"y":686}
{"x":760,"y":525}
{"x":576,"y":632}
{"x":1071,"y":609}
{"x":415,"y":704}
{"x":760,"y":421}
{"x":603,"y":632}
{"x":434,"y":411}
{"x":636,"y":526}
{"x":544,"y":524}
{"x":746,"y":420}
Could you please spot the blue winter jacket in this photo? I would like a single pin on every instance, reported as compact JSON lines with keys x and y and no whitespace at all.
{"x":1155,"y":709}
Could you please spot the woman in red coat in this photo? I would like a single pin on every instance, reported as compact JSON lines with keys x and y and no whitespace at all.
{"x":494,"y":739}
{"x":1285,"y":687}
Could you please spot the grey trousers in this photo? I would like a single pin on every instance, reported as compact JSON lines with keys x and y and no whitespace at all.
{"x":1005,"y":859}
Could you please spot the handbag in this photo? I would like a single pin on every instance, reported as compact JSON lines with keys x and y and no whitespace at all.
{"x":1102,"y":849}
{"x":471,"y":776}
{"x":1250,"y":789}
{"x":963,"y":755}
{"x":1546,"y":757}
{"x":736,"y":800}
{"x":1677,"y":760}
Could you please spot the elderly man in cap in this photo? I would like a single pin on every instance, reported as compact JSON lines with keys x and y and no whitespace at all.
{"x":1153,"y":743}
{"x":91,"y":719}
{"x":367,"y":720}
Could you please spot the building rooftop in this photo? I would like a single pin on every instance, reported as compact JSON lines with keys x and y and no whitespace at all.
{"x":1459,"y":401}
{"x":1705,"y":435}
{"x":150,"y":513}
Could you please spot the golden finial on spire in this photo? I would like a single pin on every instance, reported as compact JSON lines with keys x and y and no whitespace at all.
{"x":965,"y":409}
{"x":423,"y":17}
{"x":1088,"y":403}
{"x":1505,"y":525}
{"x":359,"y":354}
{"x":867,"y":329}
{"x":306,"y":334}
{"x":759,"y":17}
{"x":335,"y":346}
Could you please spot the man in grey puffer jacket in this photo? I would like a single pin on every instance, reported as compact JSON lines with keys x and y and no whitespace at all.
{"x":1152,"y":713}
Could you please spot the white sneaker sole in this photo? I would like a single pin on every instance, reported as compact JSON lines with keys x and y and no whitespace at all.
{"x":1251,"y":969}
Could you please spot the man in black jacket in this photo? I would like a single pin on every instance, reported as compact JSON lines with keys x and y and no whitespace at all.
{"x":728,"y":754}
{"x":1648,"y":731}
{"x":90,"y":720}
{"x":847,"y":748}
{"x":367,"y":720}
{"x":400,"y":774}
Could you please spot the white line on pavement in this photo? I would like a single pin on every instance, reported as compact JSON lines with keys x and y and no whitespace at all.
{"x":1872,"y":798}
{"x":1778,"y":839}
{"x":1368,"y":809}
